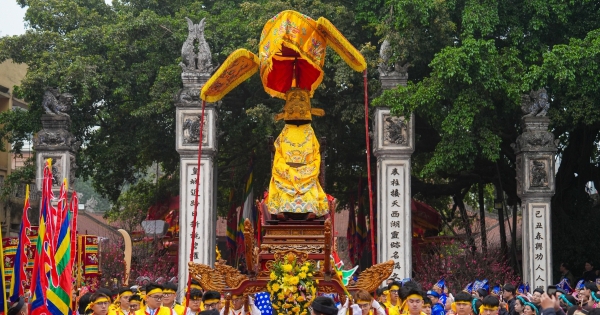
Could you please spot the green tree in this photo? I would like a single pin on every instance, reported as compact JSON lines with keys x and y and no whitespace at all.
{"x":120,"y":62}
{"x":471,"y":61}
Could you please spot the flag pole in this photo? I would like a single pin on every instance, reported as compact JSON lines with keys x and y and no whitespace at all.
{"x":4,"y":295}
{"x":371,"y":213}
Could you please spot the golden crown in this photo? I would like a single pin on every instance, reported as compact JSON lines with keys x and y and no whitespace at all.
{"x":297,"y":106}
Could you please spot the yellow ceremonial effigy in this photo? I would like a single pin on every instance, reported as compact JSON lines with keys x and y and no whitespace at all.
{"x":291,"y":55}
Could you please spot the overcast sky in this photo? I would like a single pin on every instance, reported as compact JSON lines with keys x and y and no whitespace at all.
{"x":11,"y":18}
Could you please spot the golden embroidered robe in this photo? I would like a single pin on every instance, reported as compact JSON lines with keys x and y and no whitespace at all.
{"x":297,"y":189}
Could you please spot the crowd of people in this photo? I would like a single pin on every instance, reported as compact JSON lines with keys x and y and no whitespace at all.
{"x":405,"y":297}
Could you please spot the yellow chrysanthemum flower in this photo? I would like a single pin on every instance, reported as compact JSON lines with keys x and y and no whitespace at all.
{"x":296,"y":309}
{"x":301,"y":299}
{"x":302,"y":275}
{"x":310,"y":274}
{"x":294,"y":289}
{"x":280,"y":296}
{"x":294,"y":280}
{"x":275,"y":307}
{"x":304,"y":268}
{"x":275,"y":287}
{"x":287,"y":267}
{"x":273,"y":276}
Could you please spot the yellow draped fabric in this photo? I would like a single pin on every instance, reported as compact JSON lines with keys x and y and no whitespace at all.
{"x":179,"y":309}
{"x":297,"y":189}
{"x":291,"y":44}
{"x":392,"y":309}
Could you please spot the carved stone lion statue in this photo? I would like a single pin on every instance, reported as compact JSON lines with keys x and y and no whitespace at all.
{"x":200,"y":62}
{"x":535,"y":103}
{"x":55,"y":103}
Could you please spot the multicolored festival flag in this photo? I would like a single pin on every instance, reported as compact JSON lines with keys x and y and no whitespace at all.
{"x":19,"y":274}
{"x":44,"y":270}
{"x":59,"y":297}
{"x":231,"y":228}
{"x":3,"y":304}
{"x":74,"y":206}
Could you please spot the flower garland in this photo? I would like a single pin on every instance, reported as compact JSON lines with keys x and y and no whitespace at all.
{"x":291,"y":286}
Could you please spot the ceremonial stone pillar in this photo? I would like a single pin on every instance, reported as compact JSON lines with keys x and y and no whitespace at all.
{"x":196,"y":68}
{"x":393,"y":145}
{"x":56,"y":142}
{"x":535,"y":149}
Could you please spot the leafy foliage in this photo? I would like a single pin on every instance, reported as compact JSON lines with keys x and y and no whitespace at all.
{"x":471,"y":61}
{"x":120,"y":62}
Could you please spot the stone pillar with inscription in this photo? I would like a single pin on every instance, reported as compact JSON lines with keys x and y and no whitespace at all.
{"x":197,"y":68}
{"x":393,"y":145}
{"x":55,"y":141}
{"x":535,"y":149}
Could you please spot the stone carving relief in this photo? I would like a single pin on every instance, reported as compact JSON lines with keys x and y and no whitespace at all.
{"x":196,"y":58}
{"x":538,"y":174}
{"x":191,"y":130}
{"x":55,"y":138}
{"x":535,"y":141}
{"x":55,"y":103}
{"x":188,"y":95}
{"x":535,"y":103}
{"x":57,"y":171}
{"x":386,"y":68}
{"x":395,"y":130}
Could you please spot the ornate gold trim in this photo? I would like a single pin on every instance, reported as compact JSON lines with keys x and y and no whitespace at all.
{"x":207,"y":277}
{"x":371,"y":278}
{"x":231,"y":275}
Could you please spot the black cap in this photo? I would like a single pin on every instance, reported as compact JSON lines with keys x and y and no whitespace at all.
{"x":124,"y":290}
{"x":153,"y":286}
{"x":211,"y":295}
{"x":209,"y":312}
{"x":463,"y":297}
{"x":491,"y":300}
{"x":170,"y":286}
{"x":135,"y":297}
{"x":591,"y":286}
{"x":324,"y":305}
{"x":395,"y":283}
{"x":84,"y":301}
{"x":482,"y":293}
{"x":196,"y":294}
{"x":510,"y":288}
{"x":106,"y":292}
{"x":408,"y":291}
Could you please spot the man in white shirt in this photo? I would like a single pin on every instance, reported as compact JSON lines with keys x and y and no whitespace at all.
{"x":153,"y":306}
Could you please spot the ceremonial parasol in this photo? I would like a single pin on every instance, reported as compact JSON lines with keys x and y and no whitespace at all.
{"x":291,"y":54}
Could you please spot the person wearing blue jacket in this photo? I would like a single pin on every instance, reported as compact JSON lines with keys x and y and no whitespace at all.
{"x":437,"y":308}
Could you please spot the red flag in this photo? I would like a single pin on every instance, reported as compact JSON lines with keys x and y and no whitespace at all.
{"x":74,"y":210}
{"x":59,"y":296}
{"x":44,"y":257}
